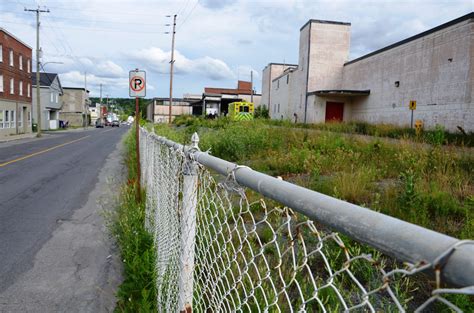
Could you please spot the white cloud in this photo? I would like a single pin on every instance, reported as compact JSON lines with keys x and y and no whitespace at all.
{"x":109,"y":69}
{"x":217,"y":4}
{"x":213,"y":39}
{"x":157,"y":60}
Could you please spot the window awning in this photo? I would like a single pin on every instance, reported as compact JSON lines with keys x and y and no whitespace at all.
{"x":340,"y":92}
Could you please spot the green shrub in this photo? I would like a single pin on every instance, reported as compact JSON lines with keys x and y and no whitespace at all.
{"x":262,"y":112}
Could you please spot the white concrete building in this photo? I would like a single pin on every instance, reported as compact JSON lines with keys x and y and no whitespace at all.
{"x":157,"y":110}
{"x":434,"y":68}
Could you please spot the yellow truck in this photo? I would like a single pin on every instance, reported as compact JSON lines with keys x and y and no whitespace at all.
{"x":241,"y":111}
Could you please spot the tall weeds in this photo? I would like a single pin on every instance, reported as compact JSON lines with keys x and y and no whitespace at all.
{"x":137,"y":293}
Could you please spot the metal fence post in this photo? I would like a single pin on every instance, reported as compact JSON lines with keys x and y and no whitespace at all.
{"x":188,"y":230}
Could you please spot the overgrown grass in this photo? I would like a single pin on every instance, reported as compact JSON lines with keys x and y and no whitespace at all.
{"x":138,"y":291}
{"x":437,"y":136}
{"x":429,"y":185}
{"x":432,"y":186}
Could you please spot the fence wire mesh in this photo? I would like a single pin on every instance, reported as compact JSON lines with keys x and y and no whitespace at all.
{"x":253,"y":255}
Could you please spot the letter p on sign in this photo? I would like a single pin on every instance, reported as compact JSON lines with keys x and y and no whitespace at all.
{"x":137,"y":83}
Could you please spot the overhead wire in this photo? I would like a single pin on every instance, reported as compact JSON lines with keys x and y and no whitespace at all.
{"x":187,"y":16}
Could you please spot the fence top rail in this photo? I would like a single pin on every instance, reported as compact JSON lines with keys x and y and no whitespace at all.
{"x":438,"y":253}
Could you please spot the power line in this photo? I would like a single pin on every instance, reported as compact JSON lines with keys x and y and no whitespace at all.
{"x":183,"y":8}
{"x":93,"y":28}
{"x":99,"y":20}
{"x":106,"y":13}
{"x":189,"y":14}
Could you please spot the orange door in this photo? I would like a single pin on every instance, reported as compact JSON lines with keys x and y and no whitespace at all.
{"x":334,"y":111}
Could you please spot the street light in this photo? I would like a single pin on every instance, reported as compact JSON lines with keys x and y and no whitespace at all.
{"x":51,"y":62}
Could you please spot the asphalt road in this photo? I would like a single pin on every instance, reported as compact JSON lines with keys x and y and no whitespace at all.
{"x":43,"y":182}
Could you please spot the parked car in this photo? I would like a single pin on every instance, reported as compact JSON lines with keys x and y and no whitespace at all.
{"x":99,"y":124}
{"x":107,"y":123}
{"x":115,"y":123}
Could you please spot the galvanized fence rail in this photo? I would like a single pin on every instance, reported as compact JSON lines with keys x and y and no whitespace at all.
{"x":229,"y":238}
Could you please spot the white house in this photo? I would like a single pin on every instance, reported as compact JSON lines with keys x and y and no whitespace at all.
{"x":50,"y":93}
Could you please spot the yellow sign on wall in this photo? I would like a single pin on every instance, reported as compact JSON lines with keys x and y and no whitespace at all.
{"x":412,"y":105}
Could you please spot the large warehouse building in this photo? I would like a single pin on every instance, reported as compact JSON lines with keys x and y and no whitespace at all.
{"x":434,"y":68}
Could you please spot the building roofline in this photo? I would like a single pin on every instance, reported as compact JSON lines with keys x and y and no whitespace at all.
{"x":76,"y":88}
{"x":284,"y":64}
{"x":417,"y":36}
{"x":15,"y":37}
{"x":340,"y":92}
{"x":324,"y":22}
{"x":168,"y":99}
{"x":282,"y":75}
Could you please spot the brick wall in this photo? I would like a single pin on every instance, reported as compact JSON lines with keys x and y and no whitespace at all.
{"x":9,"y":43}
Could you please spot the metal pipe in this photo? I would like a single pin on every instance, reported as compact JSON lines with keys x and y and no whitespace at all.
{"x":402,"y":240}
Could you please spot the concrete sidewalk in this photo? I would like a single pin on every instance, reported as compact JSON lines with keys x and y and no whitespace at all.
{"x":18,"y":137}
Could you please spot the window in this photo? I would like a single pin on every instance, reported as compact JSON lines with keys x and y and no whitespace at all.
{"x":57,"y":97}
{"x":12,"y":86}
{"x":20,"y":119}
{"x":28,"y":65}
{"x":52,"y":97}
{"x":1,"y":53}
{"x":1,"y":83}
{"x":28,"y":92}
{"x":20,"y":89}
{"x":1,"y":118}
{"x":7,"y":119}
{"x":278,"y":83}
{"x":278,"y":108}
{"x":12,"y":119}
{"x":287,"y":78}
{"x":20,"y":61}
{"x":29,"y":118}
{"x":11,"y":57}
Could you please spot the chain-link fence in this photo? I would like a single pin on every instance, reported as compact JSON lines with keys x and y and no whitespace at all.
{"x":245,"y":241}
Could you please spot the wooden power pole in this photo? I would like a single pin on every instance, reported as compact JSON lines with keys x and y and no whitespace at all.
{"x":38,"y":96}
{"x":171,"y":66}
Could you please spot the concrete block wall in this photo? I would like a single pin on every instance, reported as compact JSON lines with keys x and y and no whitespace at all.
{"x":74,"y":119}
{"x":435,"y":70}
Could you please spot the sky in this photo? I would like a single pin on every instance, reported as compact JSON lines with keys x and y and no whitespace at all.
{"x":217,"y":41}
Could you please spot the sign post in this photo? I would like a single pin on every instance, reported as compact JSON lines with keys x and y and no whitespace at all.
{"x":412,"y":107}
{"x":137,"y":84}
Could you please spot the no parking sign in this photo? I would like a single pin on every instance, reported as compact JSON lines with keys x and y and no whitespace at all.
{"x":137,"y":83}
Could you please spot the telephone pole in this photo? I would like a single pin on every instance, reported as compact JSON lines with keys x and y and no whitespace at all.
{"x":38,"y":104}
{"x":171,"y":65}
{"x":85,"y":100}
{"x":251,"y":86}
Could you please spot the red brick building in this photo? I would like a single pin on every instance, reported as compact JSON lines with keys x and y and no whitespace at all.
{"x":216,"y":100}
{"x":15,"y":85}
{"x":243,"y":88}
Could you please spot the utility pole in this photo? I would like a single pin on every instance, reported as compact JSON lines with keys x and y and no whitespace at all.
{"x":38,"y":104}
{"x":85,"y":100}
{"x":100,"y":99}
{"x":171,"y":66}
{"x":251,"y":86}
